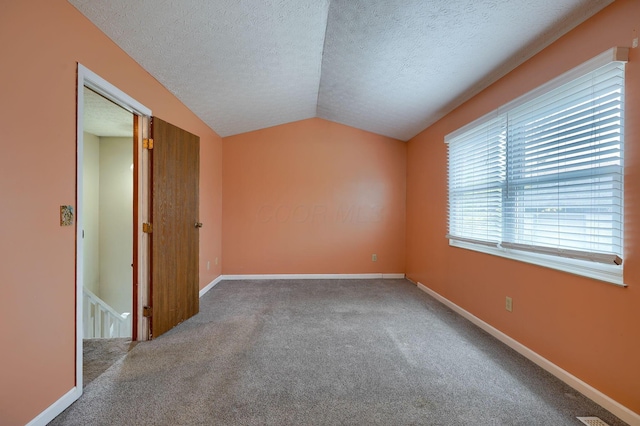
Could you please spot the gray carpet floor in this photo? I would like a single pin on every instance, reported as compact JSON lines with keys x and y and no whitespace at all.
{"x":100,"y":354}
{"x":316,"y":352}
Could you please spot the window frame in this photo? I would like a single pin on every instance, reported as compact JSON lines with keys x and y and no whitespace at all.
{"x":600,"y":271}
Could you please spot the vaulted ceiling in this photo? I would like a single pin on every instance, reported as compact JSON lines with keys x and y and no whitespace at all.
{"x":391,"y":67}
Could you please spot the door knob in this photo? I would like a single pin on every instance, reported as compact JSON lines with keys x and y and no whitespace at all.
{"x":198,"y":224}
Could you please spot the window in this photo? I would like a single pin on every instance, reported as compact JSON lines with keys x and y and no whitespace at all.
{"x":541,"y":178}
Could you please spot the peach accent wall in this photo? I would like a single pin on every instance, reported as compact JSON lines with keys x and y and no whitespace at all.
{"x":313,"y":197}
{"x":41,"y":42}
{"x":589,"y":328}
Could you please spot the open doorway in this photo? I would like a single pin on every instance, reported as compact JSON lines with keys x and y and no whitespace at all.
{"x":107,"y":233}
{"x":111,"y":250}
{"x":108,"y":218}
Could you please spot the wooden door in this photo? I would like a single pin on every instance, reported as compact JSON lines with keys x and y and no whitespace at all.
{"x":174,"y":164}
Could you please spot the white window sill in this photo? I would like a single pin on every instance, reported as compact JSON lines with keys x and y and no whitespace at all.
{"x":598,"y":271}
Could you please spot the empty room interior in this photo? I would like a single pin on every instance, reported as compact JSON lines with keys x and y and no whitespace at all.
{"x":368,"y":175}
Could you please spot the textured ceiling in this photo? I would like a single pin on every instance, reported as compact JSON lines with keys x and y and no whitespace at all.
{"x":391,"y":67}
{"x":104,"y":118}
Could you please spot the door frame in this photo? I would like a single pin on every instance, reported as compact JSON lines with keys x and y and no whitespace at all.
{"x":96,"y":83}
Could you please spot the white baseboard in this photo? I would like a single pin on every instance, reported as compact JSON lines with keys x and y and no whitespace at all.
{"x":56,"y":408}
{"x":587,"y":390}
{"x":393,"y":276}
{"x":311,"y":277}
{"x":210,"y":285}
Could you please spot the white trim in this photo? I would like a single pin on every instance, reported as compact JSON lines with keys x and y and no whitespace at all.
{"x":209,"y":286}
{"x":79,"y":227}
{"x":587,"y":390}
{"x":393,"y":276}
{"x":612,"y":274}
{"x":56,"y":408}
{"x":591,"y":256}
{"x":109,"y":91}
{"x":310,"y":276}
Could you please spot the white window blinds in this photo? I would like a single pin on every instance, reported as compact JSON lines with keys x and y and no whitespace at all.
{"x":564,"y":184}
{"x":545,"y":174}
{"x":477,"y":172}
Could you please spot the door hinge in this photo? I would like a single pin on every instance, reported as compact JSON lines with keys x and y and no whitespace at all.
{"x":147,"y":228}
{"x":147,"y":311}
{"x":147,"y":143}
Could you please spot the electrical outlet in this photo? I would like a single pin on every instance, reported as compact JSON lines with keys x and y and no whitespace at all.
{"x":634,"y":43}
{"x":208,"y":265}
{"x":216,"y":260}
{"x":509,"y":304}
{"x":374,"y":257}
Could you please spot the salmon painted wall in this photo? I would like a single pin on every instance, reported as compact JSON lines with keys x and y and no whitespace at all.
{"x":313,"y":197}
{"x":587,"y":327}
{"x":40,"y":43}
